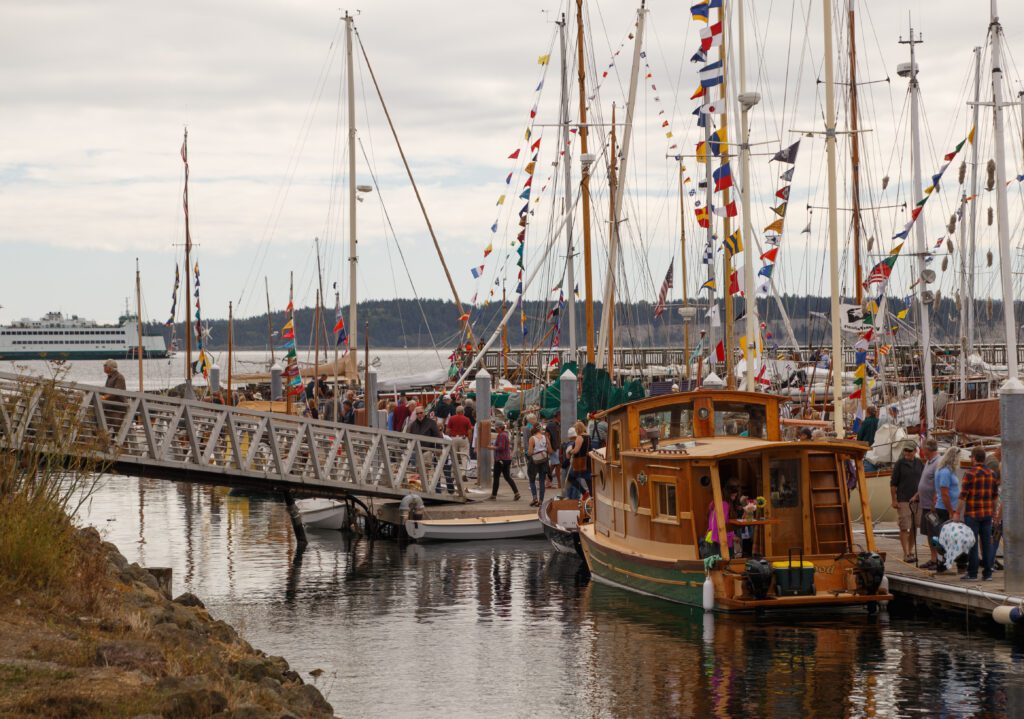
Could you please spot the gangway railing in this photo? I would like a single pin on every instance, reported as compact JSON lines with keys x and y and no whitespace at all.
{"x":155,"y":435}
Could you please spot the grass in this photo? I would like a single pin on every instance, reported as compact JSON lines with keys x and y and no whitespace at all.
{"x":43,"y":483}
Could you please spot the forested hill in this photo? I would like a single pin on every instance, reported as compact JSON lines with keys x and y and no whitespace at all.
{"x":428,"y":323}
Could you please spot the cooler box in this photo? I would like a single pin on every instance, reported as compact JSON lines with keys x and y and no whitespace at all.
{"x":793,"y":578}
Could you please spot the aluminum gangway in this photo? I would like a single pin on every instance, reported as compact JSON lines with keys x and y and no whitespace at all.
{"x":152,"y":435}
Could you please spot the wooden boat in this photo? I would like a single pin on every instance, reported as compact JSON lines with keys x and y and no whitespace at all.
{"x":559,"y":518}
{"x":668,"y":462}
{"x":510,"y":526}
{"x":322,"y":513}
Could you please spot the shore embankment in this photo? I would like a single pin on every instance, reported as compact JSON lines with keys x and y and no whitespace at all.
{"x":103,"y":640}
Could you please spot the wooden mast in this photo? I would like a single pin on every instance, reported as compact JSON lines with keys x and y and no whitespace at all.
{"x":231,"y":348}
{"x":291,"y":317}
{"x":833,"y":222}
{"x":316,"y":350}
{"x":366,"y":376}
{"x":353,"y":255}
{"x":727,"y":340}
{"x":504,"y":337}
{"x":588,"y":276}
{"x":609,"y":307}
{"x":682,"y":255}
{"x":189,"y":392}
{"x":138,"y":317}
{"x":855,"y":165}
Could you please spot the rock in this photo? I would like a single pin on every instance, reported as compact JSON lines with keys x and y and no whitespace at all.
{"x":307,"y":699}
{"x":131,"y":655}
{"x":115,"y":557}
{"x":272,"y":684}
{"x":223,"y":632}
{"x":291,"y":676}
{"x":189,"y":599}
{"x":194,"y":704}
{"x":249,"y":711}
{"x":250,"y":670}
{"x":147,"y":716}
{"x":141,"y":575}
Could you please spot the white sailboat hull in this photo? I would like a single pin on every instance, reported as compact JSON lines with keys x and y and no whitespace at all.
{"x":322,"y":513}
{"x":516,"y":526}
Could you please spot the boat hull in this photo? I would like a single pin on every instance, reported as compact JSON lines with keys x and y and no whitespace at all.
{"x":676,"y":582}
{"x":519,"y":526}
{"x":322,"y":513}
{"x":565,"y":540}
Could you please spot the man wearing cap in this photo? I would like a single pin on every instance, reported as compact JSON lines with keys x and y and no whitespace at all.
{"x":906,"y":476}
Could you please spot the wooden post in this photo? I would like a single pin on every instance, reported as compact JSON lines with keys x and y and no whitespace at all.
{"x":588,"y":277}
{"x":865,"y":508}
{"x":716,"y":495}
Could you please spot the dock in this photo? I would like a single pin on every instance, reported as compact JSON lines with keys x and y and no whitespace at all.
{"x":944,"y":591}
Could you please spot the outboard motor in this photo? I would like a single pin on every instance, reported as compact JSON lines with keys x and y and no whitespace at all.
{"x":870,"y":571}
{"x":757,"y":578}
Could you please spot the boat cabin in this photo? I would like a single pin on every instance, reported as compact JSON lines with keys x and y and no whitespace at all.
{"x":676,"y":465}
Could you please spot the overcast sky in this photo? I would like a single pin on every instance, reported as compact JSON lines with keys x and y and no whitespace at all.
{"x":94,"y":98}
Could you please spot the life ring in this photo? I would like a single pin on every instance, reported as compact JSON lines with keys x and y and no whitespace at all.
{"x":587,"y":507}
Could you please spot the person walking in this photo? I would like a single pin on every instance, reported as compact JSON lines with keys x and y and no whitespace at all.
{"x":502,"y":461}
{"x":925,"y":499}
{"x":459,"y":428}
{"x":554,"y":432}
{"x":579,"y":468}
{"x":537,"y":463}
{"x":903,"y":484}
{"x":978,"y":496}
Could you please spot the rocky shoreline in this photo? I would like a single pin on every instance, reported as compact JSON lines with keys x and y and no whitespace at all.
{"x":135,"y":653}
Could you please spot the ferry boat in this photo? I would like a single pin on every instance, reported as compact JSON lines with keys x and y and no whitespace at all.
{"x":673,"y":467}
{"x":55,"y":337}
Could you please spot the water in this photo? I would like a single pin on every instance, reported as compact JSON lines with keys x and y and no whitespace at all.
{"x":159,"y":374}
{"x":515,"y":630}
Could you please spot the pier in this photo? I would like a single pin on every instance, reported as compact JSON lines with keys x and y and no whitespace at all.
{"x":148,"y":435}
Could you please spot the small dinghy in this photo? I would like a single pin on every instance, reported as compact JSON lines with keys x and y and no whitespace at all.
{"x":510,"y":526}
{"x":559,"y":517}
{"x":322,"y":513}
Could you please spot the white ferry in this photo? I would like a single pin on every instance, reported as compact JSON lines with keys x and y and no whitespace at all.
{"x":55,"y":337}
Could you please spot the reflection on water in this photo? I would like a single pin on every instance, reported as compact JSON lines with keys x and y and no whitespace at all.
{"x":517,"y":630}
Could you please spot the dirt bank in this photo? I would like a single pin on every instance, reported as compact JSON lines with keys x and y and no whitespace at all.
{"x":109,"y":644}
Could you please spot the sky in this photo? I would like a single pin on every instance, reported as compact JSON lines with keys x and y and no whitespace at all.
{"x":95,"y":98}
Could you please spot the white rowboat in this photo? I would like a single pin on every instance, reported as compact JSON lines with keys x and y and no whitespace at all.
{"x":513,"y":526}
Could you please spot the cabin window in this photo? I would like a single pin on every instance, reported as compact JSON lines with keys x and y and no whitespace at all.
{"x":665,"y":498}
{"x":785,"y":482}
{"x":634,"y":496}
{"x":614,"y":441}
{"x":666,"y":422}
{"x":740,"y":419}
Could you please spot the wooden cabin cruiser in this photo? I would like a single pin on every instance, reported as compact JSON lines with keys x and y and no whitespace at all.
{"x":668,"y":471}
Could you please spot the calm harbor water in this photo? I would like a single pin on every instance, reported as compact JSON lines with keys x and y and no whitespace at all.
{"x":514,"y":630}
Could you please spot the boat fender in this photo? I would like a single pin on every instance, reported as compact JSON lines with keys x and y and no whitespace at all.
{"x":411,"y":505}
{"x":883,"y":588}
{"x":1008,"y":615}
{"x":709,"y":595}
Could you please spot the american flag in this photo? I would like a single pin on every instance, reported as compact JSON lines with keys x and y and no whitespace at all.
{"x":663,"y":295}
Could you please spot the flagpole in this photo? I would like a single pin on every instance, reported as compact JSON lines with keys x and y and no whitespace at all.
{"x":833,"y":222}
{"x":686,"y":300}
{"x":730,"y":377}
{"x":922,"y":242}
{"x":288,"y":362}
{"x":353,"y":257}
{"x":316,"y":354}
{"x":623,"y":162}
{"x":709,"y":250}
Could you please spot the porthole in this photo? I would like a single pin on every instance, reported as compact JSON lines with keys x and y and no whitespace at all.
{"x":705,"y":481}
{"x":600,"y":477}
{"x":703,"y":414}
{"x":634,"y":496}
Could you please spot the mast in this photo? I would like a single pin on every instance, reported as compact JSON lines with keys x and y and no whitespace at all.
{"x":919,"y":234}
{"x":316,"y":347}
{"x":682,"y":254}
{"x":750,"y":303}
{"x":270,"y":323}
{"x":730,"y":375}
{"x":623,"y":161}
{"x":320,"y":286}
{"x":138,"y":316}
{"x":337,"y":313}
{"x":504,"y":337}
{"x":613,"y":230}
{"x":353,"y":256}
{"x":366,"y":376}
{"x":855,"y":169}
{"x":570,"y":302}
{"x":231,"y":347}
{"x":189,"y":392}
{"x":588,"y":277}
{"x":973,"y":229}
{"x":1002,"y":210}
{"x":709,"y":250}
{"x":833,"y":222}
{"x":291,"y":317}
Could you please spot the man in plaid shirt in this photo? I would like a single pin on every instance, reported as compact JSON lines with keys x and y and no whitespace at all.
{"x":979,"y":492}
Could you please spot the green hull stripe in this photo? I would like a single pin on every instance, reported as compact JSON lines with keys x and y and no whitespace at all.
{"x":667,"y":583}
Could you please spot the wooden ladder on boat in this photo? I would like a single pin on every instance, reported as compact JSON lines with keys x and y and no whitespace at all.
{"x":828,"y":505}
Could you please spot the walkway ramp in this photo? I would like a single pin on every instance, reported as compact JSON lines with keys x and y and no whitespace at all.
{"x":155,"y":436}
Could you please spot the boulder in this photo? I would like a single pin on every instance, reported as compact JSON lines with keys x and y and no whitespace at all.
{"x":194,"y":704}
{"x":189,"y":599}
{"x":131,"y":655}
{"x":306,"y":699}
